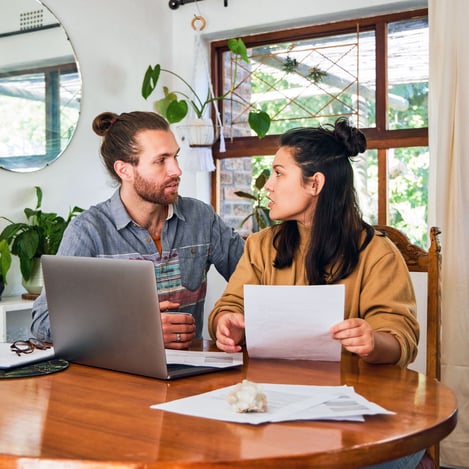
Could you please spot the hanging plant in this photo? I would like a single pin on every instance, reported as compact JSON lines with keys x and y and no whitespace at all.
{"x":175,"y":109}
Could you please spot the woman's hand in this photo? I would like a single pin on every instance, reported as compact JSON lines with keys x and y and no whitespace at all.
{"x":178,"y":328}
{"x":230,"y":331}
{"x":357,"y":336}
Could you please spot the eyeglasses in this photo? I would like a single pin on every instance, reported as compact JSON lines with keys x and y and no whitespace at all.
{"x":28,"y":346}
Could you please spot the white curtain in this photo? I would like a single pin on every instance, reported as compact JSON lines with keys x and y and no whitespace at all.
{"x":449,"y":201}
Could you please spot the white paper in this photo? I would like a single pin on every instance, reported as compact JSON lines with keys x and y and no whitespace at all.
{"x":196,"y":358}
{"x":284,"y":403}
{"x":293,"y":322}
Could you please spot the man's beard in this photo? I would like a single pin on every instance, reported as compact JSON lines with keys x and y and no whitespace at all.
{"x":155,"y":194}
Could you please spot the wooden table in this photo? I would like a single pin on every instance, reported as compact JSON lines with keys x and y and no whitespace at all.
{"x":88,"y":417}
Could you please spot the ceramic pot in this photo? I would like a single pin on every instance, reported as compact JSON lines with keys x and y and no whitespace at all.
{"x":36,"y":281}
{"x":198,"y":133}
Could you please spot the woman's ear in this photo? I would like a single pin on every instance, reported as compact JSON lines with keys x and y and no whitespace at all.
{"x":316,"y":183}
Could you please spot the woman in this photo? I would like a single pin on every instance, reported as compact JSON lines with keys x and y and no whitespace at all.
{"x":323,"y":240}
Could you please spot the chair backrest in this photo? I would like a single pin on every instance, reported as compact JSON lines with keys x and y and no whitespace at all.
{"x":429,"y":305}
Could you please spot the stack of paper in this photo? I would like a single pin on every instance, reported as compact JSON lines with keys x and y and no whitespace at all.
{"x":284,"y":402}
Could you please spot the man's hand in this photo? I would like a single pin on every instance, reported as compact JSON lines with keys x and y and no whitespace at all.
{"x":178,"y":328}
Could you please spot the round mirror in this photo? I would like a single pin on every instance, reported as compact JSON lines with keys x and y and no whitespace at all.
{"x":40,"y":86}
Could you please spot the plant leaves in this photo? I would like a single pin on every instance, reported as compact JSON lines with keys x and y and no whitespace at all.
{"x":5,"y":259}
{"x":260,"y":181}
{"x":238,"y":47}
{"x":245,"y":195}
{"x":259,"y":121}
{"x":176,"y":111}
{"x":150,"y":80}
{"x":38,"y":196}
{"x":264,"y":219}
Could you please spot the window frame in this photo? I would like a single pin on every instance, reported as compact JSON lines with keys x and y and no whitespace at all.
{"x":378,"y":137}
{"x":52,"y":80}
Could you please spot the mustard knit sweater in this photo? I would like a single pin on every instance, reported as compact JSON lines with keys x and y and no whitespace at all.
{"x":379,"y":290}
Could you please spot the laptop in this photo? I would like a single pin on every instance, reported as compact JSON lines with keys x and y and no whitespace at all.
{"x":105,"y":313}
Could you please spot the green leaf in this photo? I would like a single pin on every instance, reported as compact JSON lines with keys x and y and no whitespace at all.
{"x":150,"y":80}
{"x":5,"y":259}
{"x":176,"y":111}
{"x":259,"y":121}
{"x":161,"y":105}
{"x":26,"y":267}
{"x":264,"y":217}
{"x":260,"y":181}
{"x":26,"y":244}
{"x":38,"y":196}
{"x":10,"y":231}
{"x":238,"y":47}
{"x":245,"y":195}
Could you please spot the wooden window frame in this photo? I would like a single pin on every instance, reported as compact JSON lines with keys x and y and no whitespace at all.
{"x":378,"y":137}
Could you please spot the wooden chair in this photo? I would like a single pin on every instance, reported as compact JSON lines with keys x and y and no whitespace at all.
{"x":429,"y":262}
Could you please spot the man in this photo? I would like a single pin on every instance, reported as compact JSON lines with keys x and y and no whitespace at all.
{"x":147,"y":219}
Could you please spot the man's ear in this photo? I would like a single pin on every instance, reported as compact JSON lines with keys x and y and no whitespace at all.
{"x":316,"y":183}
{"x":123,"y":170}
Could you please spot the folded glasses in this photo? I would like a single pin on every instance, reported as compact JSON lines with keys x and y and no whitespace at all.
{"x":28,"y":346}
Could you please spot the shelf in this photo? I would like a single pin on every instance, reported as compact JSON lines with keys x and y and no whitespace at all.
{"x":15,"y":318}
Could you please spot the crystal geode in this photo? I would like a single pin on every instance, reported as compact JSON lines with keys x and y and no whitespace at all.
{"x":247,"y":397}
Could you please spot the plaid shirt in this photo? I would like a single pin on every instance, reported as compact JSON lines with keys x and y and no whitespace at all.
{"x":194,"y":237}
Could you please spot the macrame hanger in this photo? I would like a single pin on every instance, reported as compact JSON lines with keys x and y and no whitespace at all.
{"x":200,"y":56}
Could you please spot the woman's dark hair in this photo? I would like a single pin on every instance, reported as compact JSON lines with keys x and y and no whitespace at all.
{"x":119,"y":132}
{"x":337,"y":225}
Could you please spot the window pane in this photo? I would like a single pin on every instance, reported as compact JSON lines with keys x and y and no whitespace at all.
{"x":239,"y":174}
{"x":408,"y":192}
{"x":303,"y":83}
{"x":23,"y":128}
{"x":408,"y":74}
{"x":365,"y":170}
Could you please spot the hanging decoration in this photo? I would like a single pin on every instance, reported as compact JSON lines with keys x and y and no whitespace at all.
{"x":199,"y":133}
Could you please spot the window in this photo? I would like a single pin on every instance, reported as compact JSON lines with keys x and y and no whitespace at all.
{"x":373,"y":71}
{"x":43,"y":107}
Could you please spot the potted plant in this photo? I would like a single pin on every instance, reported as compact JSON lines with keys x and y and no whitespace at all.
{"x":174,"y":108}
{"x":260,"y":214}
{"x":40,"y":234}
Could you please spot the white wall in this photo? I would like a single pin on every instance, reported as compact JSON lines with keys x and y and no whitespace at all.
{"x":114,"y":42}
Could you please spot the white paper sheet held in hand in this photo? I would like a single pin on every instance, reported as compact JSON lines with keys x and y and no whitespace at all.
{"x":293,"y":322}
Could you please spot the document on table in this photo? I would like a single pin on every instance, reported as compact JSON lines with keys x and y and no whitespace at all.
{"x":292,"y":322}
{"x":284,"y":403}
{"x":196,"y":358}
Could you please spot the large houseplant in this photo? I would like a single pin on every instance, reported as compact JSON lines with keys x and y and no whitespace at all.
{"x":174,"y":106}
{"x":40,"y":234}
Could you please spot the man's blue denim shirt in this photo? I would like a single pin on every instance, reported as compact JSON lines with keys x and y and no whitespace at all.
{"x":194,"y":237}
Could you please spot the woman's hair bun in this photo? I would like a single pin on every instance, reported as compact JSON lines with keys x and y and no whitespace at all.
{"x":353,"y":139}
